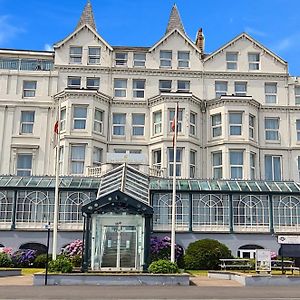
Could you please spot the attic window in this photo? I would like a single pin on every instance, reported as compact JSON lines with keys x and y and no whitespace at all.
{"x":231,"y":60}
{"x":183,"y":59}
{"x":94,"y":55}
{"x":254,"y":61}
{"x":75,"y":55}
{"x":121,"y":59}
{"x":165,"y":59}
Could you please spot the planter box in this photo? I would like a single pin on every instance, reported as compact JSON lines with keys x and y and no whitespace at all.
{"x":10,"y":272}
{"x":112,"y":279}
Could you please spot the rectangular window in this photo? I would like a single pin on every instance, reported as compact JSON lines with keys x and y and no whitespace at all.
{"x":221,"y":88}
{"x":179,"y":119}
{"x":138,"y":124}
{"x":157,"y":158}
{"x":273,"y":167}
{"x":165,"y":86}
{"x":298,"y":130}
{"x":98,"y":120}
{"x":193,"y":155}
{"x":138,"y":88}
{"x":271,"y":92}
{"x":29,"y":88}
{"x":61,"y":159}
{"x":120,"y":87}
{"x":235,"y":123}
{"x":74,"y":82}
{"x":254,"y":61}
{"x":178,"y":161}
{"x":24,"y":165}
{"x":157,"y":122}
{"x":93,"y":83}
{"x":94,"y":55}
{"x":216,"y":122}
{"x":217,"y":165}
{"x":79,"y":117}
{"x":119,"y":121}
{"x":236,"y":158}
{"x":77,"y":158}
{"x":298,"y":167}
{"x":165,"y":59}
{"x":63,"y":113}
{"x":240,"y":88}
{"x":139,"y":59}
{"x":231,"y":60}
{"x":183,"y":59}
{"x":272,"y":129}
{"x":193,"y":123}
{"x":251,"y":126}
{"x":183,"y":86}
{"x":27,"y":121}
{"x":121,"y":59}
{"x":252,"y":166}
{"x":97,"y":157}
{"x":297,"y":95}
{"x":75,"y":55}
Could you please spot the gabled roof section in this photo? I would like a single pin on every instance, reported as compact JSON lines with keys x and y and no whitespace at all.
{"x":127,"y":180}
{"x":74,"y":33}
{"x":252,"y":40}
{"x":174,"y":21}
{"x":87,"y":16}
{"x":175,"y":30}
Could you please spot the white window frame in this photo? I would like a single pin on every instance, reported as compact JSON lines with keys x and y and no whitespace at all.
{"x":238,"y":91}
{"x":157,"y":158}
{"x":221,"y":91}
{"x":79,"y":160}
{"x":273,"y":177}
{"x":94,"y":80}
{"x":98,"y":122}
{"x":63,"y":115}
{"x":164,"y":89}
{"x":235,"y":125}
{"x":186,"y":86}
{"x":298,"y":129}
{"x":216,"y":125}
{"x":137,"y":61}
{"x":79,"y":119}
{"x":299,"y":168}
{"x":252,"y":165}
{"x":122,"y":91}
{"x":297,"y":95}
{"x":193,"y":163}
{"x":236,"y":166}
{"x":121,"y":61}
{"x":171,"y":113}
{"x":20,"y":171}
{"x":217,"y":168}
{"x":254,"y":63}
{"x":165,"y":62}
{"x":272,"y":130}
{"x":179,"y":161}
{"x":70,"y":83}
{"x":157,"y":125}
{"x":183,"y":62}
{"x":75,"y":58}
{"x":138,"y":92}
{"x":231,"y":64}
{"x":61,"y":159}
{"x":193,"y":123}
{"x":119,"y":125}
{"x":97,"y":156}
{"x":29,"y":92}
{"x":270,"y":97}
{"x":137,"y":127}
{"x":94,"y":59}
{"x":251,"y":126}
{"x":27,"y":124}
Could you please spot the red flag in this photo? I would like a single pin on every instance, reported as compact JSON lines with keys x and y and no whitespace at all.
{"x":55,"y":137}
{"x":56,"y":127}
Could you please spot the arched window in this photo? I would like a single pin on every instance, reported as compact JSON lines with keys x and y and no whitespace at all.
{"x":34,"y":209}
{"x":39,"y":248}
{"x":6,"y":205}
{"x":162,"y":206}
{"x":248,"y":251}
{"x":251,"y":213}
{"x":210,"y":212}
{"x":286,"y":213}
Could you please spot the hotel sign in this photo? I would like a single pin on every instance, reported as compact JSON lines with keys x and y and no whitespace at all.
{"x":288,"y":239}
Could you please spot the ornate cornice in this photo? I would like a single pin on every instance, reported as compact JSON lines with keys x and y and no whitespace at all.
{"x":174,"y":97}
{"x":232,"y":100}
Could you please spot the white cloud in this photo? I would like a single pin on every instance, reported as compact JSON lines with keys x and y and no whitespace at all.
{"x":287,"y":43}
{"x":7,"y":30}
{"x":254,"y":31}
{"x":48,"y":47}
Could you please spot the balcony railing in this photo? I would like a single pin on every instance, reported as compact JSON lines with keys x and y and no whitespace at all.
{"x":26,"y":64}
{"x":94,"y":171}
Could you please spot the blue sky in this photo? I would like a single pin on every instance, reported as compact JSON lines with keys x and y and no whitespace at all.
{"x":37,"y":24}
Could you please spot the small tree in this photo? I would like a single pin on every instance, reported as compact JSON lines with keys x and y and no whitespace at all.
{"x":205,"y":255}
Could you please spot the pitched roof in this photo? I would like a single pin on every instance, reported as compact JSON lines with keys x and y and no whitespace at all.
{"x":87,"y":16}
{"x":174,"y":21}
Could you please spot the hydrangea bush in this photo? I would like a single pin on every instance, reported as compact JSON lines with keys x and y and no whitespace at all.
{"x":23,"y":258}
{"x":73,"y":252}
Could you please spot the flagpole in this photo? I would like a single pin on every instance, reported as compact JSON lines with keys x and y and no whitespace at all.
{"x":56,"y":190}
{"x":173,"y":222}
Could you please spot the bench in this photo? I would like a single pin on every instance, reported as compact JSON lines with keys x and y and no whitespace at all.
{"x":284,"y":265}
{"x":235,"y":263}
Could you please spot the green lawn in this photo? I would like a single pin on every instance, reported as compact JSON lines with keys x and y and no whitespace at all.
{"x":197,"y":272}
{"x":30,"y":271}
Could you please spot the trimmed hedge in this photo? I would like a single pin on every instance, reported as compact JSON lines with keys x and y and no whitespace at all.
{"x":61,"y":265}
{"x":163,"y":266}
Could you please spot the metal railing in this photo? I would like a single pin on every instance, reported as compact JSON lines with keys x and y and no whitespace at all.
{"x":26,"y":64}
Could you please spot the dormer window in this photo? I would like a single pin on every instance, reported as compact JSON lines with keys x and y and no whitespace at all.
{"x":75,"y":55}
{"x":165,"y":59}
{"x":139,"y":59}
{"x":254,"y":61}
{"x":121,"y":59}
{"x":94,"y":55}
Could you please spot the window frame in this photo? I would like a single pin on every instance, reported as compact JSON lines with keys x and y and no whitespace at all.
{"x":27,"y":91}
{"x":20,"y":171}
{"x":80,"y":119}
{"x":216,"y":127}
{"x":217,"y":167}
{"x":240,"y":93}
{"x":171,"y":116}
{"x":221,"y":92}
{"x":271,"y":95}
{"x":273,"y":157}
{"x":193,"y":163}
{"x":96,"y":57}
{"x":165,"y":60}
{"x":93,"y":87}
{"x":252,"y":63}
{"x":233,"y":126}
{"x":162,"y":89}
{"x":74,"y":86}
{"x":98,"y":122}
{"x":252,"y":164}
{"x":121,"y":62}
{"x":136,"y":90}
{"x":231,"y":62}
{"x":142,"y":62}
{"x":138,"y":126}
{"x":187,"y":86}
{"x":120,"y":89}
{"x":297,"y":94}
{"x":251,"y":127}
{"x":119,"y":125}
{"x":62,"y":118}
{"x":183,"y":63}
{"x":157,"y":124}
{"x":156,"y":162}
{"x":80,"y":161}
{"x":236,"y":166}
{"x":29,"y":124}
{"x":74,"y":56}
{"x":179,"y":161}
{"x":270,"y":130}
{"x":97,"y":163}
{"x":193,"y":123}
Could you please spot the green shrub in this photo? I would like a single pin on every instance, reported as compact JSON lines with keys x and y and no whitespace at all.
{"x":40,"y":261}
{"x":76,"y":260}
{"x":60,"y":265}
{"x":163,"y":266}
{"x":5,"y":260}
{"x":205,"y":255}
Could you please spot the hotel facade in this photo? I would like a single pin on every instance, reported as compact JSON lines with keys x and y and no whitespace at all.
{"x":238,"y":149}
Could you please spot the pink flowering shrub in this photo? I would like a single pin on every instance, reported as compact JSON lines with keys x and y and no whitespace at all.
{"x":73,"y":249}
{"x":7,"y":250}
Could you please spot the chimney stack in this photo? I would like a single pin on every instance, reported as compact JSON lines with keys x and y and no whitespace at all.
{"x":200,"y":40}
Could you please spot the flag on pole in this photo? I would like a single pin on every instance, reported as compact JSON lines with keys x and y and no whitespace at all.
{"x":55,"y":136}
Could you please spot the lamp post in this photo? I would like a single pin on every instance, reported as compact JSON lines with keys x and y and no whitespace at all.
{"x":47,"y":226}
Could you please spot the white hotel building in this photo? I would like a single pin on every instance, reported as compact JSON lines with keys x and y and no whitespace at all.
{"x":238,"y":154}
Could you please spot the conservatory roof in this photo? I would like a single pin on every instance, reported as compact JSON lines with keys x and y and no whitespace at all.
{"x":244,"y":186}
{"x":49,"y":182}
{"x":127,"y":180}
